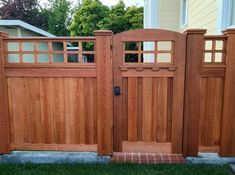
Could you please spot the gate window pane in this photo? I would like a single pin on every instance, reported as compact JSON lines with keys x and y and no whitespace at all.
{"x":58,"y":58}
{"x":13,"y":58}
{"x":218,"y":57}
{"x":43,"y":58}
{"x":42,"y":46}
{"x":208,"y":57}
{"x":131,"y":58}
{"x":28,"y":46}
{"x":13,"y":46}
{"x":208,"y":45}
{"x":131,"y":46}
{"x":88,"y":46}
{"x":148,"y":57}
{"x":219,"y":45}
{"x":73,"y":58}
{"x":164,"y":45}
{"x":57,"y":46}
{"x":88,"y":58}
{"x":28,"y":58}
{"x":149,"y":46}
{"x":164,"y":58}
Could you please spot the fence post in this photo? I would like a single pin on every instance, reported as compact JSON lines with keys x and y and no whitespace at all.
{"x":227,"y":147}
{"x":4,"y":116}
{"x":104,"y":91}
{"x":194,"y":54}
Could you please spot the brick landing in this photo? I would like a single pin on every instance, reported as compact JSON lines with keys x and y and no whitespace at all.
{"x":147,"y":158}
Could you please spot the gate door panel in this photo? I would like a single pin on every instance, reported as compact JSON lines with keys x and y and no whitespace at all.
{"x":148,"y":72}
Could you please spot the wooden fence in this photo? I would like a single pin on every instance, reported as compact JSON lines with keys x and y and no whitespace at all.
{"x":143,"y":90}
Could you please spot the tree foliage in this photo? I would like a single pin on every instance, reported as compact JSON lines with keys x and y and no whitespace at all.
{"x":87,"y":16}
{"x":25,"y":10}
{"x":59,"y":17}
{"x":92,"y":15}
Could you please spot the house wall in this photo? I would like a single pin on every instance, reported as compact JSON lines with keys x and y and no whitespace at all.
{"x":29,"y":58}
{"x":12,"y":31}
{"x":169,"y":14}
{"x":203,"y":14}
{"x":26,"y":33}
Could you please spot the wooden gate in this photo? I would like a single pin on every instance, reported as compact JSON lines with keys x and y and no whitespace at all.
{"x":149,"y":69}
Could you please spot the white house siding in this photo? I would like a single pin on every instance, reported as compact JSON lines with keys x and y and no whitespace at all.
{"x":203,"y":14}
{"x":169,"y":14}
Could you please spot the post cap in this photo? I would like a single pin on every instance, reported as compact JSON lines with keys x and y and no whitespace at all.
{"x":103,"y":33}
{"x":4,"y":34}
{"x":229,"y":31}
{"x":195,"y":31}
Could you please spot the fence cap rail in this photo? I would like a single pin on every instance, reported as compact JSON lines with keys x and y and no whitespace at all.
{"x":90,"y":38}
{"x":216,"y":37}
{"x":195,"y":31}
{"x":4,"y":34}
{"x":229,"y":31}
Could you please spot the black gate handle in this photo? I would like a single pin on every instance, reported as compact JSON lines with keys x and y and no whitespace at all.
{"x":117,"y":91}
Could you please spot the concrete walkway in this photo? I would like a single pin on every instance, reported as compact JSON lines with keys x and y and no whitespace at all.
{"x":47,"y":157}
{"x":232,"y":166}
{"x":210,"y":158}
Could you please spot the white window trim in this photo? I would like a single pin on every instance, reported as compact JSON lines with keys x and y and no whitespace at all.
{"x":151,"y":14}
{"x":224,"y":16}
{"x":182,"y":12}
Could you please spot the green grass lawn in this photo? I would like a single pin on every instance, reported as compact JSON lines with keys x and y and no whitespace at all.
{"x":128,"y":169}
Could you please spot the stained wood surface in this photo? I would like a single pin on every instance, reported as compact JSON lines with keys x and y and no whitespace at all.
{"x":54,"y":147}
{"x":53,"y":110}
{"x":211,"y":105}
{"x":147,"y":147}
{"x":195,"y":54}
{"x":228,"y":119}
{"x":151,"y":103}
{"x":71,"y":106}
{"x":104,"y":91}
{"x":4,"y":115}
{"x":148,"y":109}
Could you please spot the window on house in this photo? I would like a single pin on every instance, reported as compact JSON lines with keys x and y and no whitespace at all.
{"x":183,"y":13}
{"x":227,"y":15}
{"x":232,"y":13}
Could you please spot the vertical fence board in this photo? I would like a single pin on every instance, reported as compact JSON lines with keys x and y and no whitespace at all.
{"x":81,"y":110}
{"x":125,"y":109}
{"x":139,"y":108}
{"x":155,"y":109}
{"x":132,"y":109}
{"x":147,"y":109}
{"x":90,"y":110}
{"x":162,"y":110}
{"x":178,"y":94}
{"x":44,"y":93}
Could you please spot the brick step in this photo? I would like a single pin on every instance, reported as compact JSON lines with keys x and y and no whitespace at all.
{"x":147,"y":158}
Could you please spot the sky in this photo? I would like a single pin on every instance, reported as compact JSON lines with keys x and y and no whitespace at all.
{"x":127,"y":2}
{"x":113,"y":2}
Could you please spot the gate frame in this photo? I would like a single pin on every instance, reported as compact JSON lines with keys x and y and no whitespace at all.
{"x":178,"y":80}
